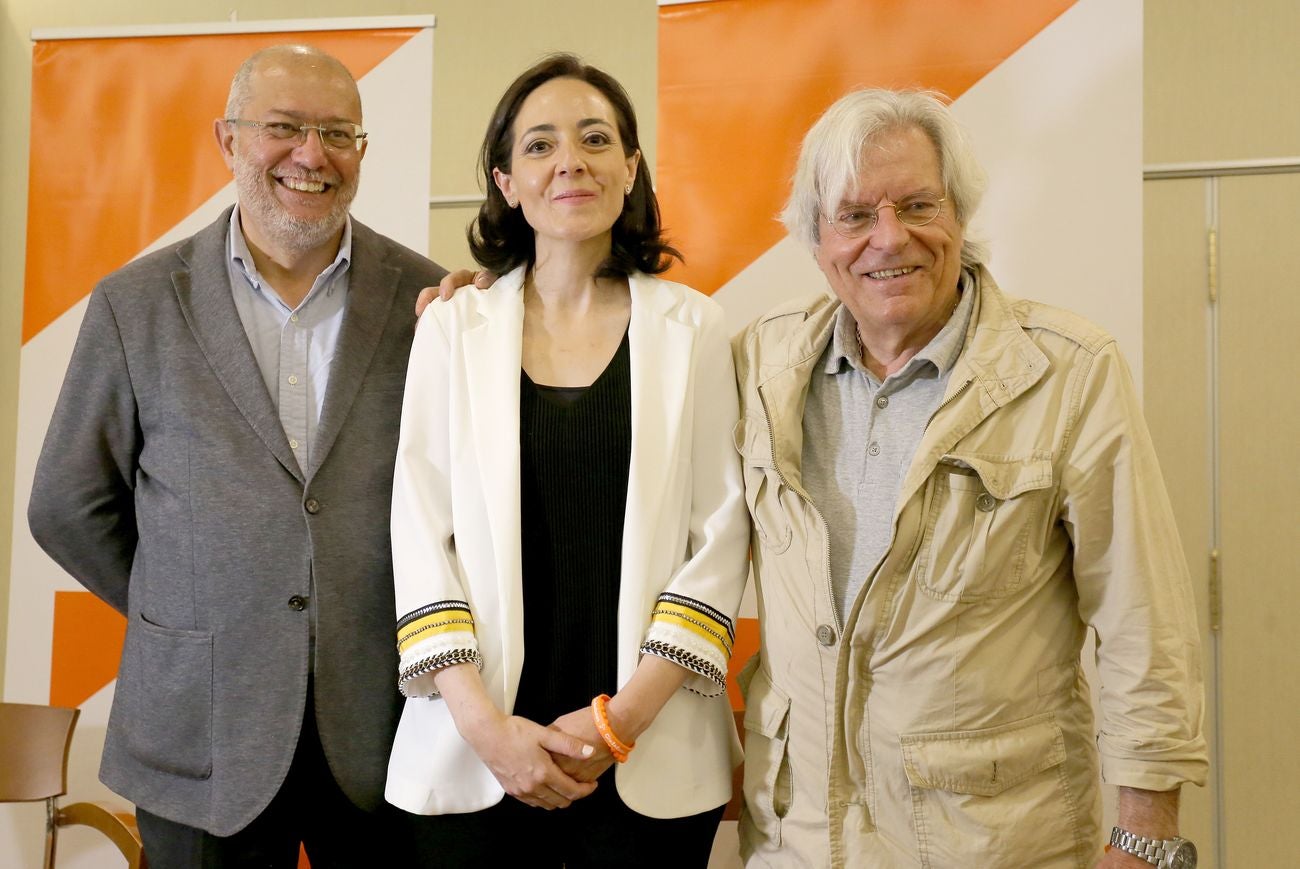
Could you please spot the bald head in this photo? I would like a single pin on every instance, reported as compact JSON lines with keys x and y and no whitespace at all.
{"x":285,"y":60}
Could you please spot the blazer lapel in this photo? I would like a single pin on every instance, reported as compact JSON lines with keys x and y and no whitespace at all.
{"x":372,"y":286}
{"x":203,"y":291}
{"x":660,"y":361}
{"x":492,"y":360}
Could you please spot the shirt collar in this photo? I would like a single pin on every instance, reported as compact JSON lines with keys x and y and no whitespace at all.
{"x":242,"y":259}
{"x":941,"y":352}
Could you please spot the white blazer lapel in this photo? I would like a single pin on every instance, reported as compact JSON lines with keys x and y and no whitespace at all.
{"x":660,"y":361}
{"x":492,"y":359}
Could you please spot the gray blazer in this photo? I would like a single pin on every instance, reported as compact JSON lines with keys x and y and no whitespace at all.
{"x":167,"y":487}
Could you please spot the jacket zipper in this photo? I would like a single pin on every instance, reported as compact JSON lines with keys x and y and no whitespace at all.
{"x":947,"y":401}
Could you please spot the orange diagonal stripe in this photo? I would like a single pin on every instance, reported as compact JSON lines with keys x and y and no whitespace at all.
{"x":87,"y":645}
{"x":745,"y":648}
{"x":117,"y":163}
{"x":740,"y":83}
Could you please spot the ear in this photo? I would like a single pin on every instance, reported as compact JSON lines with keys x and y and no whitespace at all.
{"x":506,"y":185}
{"x":633,"y":161}
{"x":225,"y":141}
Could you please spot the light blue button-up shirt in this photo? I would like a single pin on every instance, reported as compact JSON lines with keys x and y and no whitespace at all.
{"x":294,"y":347}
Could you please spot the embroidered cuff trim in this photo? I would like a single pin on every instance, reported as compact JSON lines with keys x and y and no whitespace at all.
{"x":425,"y":666}
{"x":695,"y":663}
{"x":443,"y":617}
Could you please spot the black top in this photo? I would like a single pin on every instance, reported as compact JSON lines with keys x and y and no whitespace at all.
{"x":574,"y":452}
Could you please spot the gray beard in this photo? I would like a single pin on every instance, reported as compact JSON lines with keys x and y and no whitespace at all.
{"x":284,"y":229}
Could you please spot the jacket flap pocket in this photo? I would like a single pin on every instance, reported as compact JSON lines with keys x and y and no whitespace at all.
{"x":765,"y":706}
{"x":1006,"y":478}
{"x":753,"y":441}
{"x":983,"y":762}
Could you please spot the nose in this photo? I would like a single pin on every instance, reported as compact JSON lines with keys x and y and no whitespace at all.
{"x":310,"y":152}
{"x":570,"y":160}
{"x":889,"y":233}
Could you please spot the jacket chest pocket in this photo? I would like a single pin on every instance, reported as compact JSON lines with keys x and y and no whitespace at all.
{"x":980,"y":515}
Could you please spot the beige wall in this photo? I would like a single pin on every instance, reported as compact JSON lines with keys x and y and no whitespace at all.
{"x":1220,"y":80}
{"x":479,"y":46}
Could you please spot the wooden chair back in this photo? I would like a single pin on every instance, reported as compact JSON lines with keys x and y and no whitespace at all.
{"x":34,"y":742}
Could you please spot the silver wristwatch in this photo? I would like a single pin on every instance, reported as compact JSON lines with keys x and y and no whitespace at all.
{"x":1175,"y":853}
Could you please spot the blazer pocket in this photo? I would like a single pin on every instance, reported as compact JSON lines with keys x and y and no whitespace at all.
{"x":769,"y":784}
{"x":168,"y":696}
{"x":1001,"y":792}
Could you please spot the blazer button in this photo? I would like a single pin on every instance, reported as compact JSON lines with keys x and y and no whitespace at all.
{"x":313,"y":506}
{"x":297,"y":603}
{"x":826,"y":635}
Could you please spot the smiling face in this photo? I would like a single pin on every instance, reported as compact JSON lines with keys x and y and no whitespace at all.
{"x":294,"y":196}
{"x":898,"y":281}
{"x":568,"y":171}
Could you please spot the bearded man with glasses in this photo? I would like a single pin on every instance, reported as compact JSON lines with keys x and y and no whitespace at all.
{"x":219,"y":470}
{"x":948,"y":487}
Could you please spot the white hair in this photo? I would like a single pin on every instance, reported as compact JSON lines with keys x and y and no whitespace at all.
{"x":831,"y":157}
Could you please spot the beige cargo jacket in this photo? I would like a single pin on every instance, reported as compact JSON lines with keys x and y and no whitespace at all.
{"x":945,"y":721}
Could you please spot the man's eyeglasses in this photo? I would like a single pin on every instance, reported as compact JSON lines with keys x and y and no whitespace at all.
{"x":336,"y":137}
{"x":855,"y":221}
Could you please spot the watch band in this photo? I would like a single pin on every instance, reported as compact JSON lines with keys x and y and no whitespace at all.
{"x":1150,"y":850}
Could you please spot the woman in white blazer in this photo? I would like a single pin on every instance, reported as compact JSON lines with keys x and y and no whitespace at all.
{"x":569,"y":527}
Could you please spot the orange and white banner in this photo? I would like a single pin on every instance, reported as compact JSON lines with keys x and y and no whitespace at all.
{"x":123,"y":162}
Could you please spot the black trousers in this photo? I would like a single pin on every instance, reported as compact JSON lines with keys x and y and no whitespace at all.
{"x":310,"y":808}
{"x":596,"y":831}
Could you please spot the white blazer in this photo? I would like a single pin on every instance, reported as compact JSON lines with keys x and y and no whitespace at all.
{"x":456,"y":531}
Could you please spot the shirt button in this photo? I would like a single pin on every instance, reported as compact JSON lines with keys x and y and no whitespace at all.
{"x":293,"y":318}
{"x":313,"y":506}
{"x":297,"y":603}
{"x":293,"y":379}
{"x":882,"y":401}
{"x":985,"y":502}
{"x":826,"y":635}
{"x":873,"y":450}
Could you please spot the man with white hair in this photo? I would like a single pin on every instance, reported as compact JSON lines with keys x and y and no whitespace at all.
{"x":219,"y":470}
{"x":948,"y":487}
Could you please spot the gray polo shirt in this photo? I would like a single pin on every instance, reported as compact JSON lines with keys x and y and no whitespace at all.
{"x":860,"y":435}
{"x":295,"y":347}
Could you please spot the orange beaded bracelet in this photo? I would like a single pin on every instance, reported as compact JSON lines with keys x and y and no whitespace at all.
{"x":617,"y":747}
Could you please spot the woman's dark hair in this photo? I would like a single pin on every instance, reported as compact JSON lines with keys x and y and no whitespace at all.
{"x":500,"y":239}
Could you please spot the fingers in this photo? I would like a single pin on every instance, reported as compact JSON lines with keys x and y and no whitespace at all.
{"x":453,"y":282}
{"x":484,"y":279}
{"x":558,"y":742}
{"x":427,"y":295}
{"x":554,"y":791}
{"x":551,"y":799}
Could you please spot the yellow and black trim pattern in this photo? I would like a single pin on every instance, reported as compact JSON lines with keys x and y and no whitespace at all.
{"x":696,"y":664}
{"x":430,"y":638}
{"x":698,"y":618}
{"x":443,"y":617}
{"x":433,"y":663}
{"x":691,"y":634}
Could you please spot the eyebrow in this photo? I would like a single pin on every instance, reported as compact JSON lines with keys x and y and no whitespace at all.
{"x":551,"y":128}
